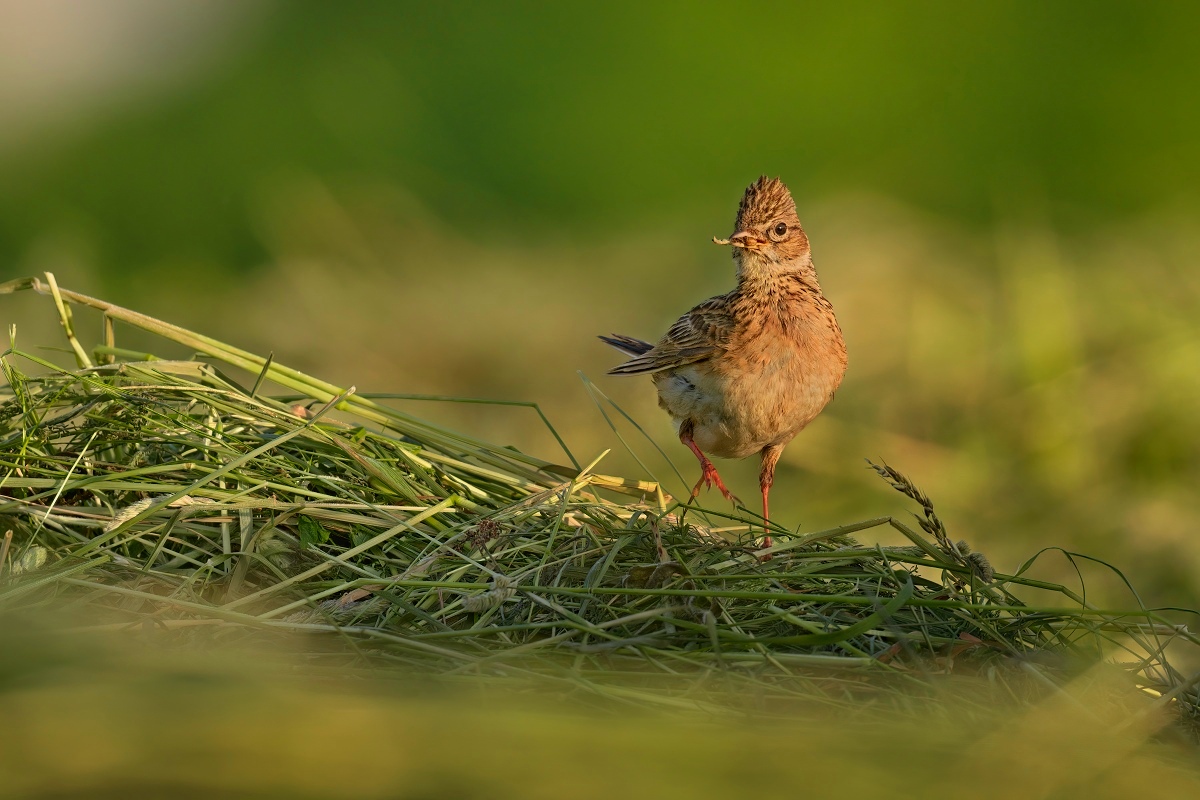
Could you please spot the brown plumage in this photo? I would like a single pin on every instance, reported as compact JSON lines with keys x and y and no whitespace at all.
{"x":744,"y":372}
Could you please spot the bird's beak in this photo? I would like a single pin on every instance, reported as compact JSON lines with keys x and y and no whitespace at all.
{"x":743,"y":239}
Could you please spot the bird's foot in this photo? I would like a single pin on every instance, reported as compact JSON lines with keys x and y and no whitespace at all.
{"x":763,"y":545}
{"x":708,"y":479}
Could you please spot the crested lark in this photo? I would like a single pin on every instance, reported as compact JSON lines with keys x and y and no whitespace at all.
{"x":745,"y":372}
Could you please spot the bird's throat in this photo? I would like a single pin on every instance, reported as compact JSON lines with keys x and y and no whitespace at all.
{"x":764,"y":277}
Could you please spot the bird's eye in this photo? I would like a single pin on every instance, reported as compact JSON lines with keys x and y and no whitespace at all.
{"x":780,"y":229}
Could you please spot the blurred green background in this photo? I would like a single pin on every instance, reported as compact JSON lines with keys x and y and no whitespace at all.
{"x":455,"y":198}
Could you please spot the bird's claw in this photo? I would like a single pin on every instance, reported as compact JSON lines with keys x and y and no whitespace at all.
{"x":710,"y":479}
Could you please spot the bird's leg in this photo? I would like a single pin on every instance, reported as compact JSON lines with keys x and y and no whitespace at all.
{"x":766,"y":477}
{"x":708,"y":473}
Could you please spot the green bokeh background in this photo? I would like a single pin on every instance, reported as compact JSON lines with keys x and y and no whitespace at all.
{"x":453,"y":198}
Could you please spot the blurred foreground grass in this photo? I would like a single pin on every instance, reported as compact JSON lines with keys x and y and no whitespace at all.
{"x":151,"y":713}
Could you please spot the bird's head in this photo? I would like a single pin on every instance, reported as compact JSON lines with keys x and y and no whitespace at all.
{"x":767,"y":236}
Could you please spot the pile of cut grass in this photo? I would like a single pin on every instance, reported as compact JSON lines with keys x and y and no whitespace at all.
{"x":166,"y":493}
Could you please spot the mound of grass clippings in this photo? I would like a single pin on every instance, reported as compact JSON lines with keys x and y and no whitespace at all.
{"x":161,"y":492}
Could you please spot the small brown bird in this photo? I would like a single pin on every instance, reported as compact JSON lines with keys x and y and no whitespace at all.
{"x":745,"y":372}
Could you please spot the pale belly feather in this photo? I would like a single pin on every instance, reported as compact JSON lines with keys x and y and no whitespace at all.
{"x":766,"y":401}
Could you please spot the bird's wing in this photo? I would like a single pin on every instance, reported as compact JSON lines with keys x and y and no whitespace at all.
{"x":697,"y":335}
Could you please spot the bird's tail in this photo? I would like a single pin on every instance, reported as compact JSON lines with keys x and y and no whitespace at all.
{"x":627,"y":344}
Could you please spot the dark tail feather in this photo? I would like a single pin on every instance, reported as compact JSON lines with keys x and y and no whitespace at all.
{"x":627,"y":344}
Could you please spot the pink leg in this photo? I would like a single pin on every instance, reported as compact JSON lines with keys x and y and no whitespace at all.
{"x":708,"y":473}
{"x":766,"y":477}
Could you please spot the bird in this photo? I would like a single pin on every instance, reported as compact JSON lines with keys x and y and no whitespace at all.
{"x":744,"y":372}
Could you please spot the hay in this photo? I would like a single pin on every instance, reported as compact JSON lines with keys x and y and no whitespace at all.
{"x":166,"y":492}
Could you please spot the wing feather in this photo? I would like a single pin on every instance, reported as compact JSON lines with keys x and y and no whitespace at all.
{"x":697,"y":335}
{"x":627,"y":344}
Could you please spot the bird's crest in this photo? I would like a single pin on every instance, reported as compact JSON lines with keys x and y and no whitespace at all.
{"x":765,"y":199}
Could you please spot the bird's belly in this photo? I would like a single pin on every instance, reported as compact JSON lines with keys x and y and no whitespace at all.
{"x":736,"y":413}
